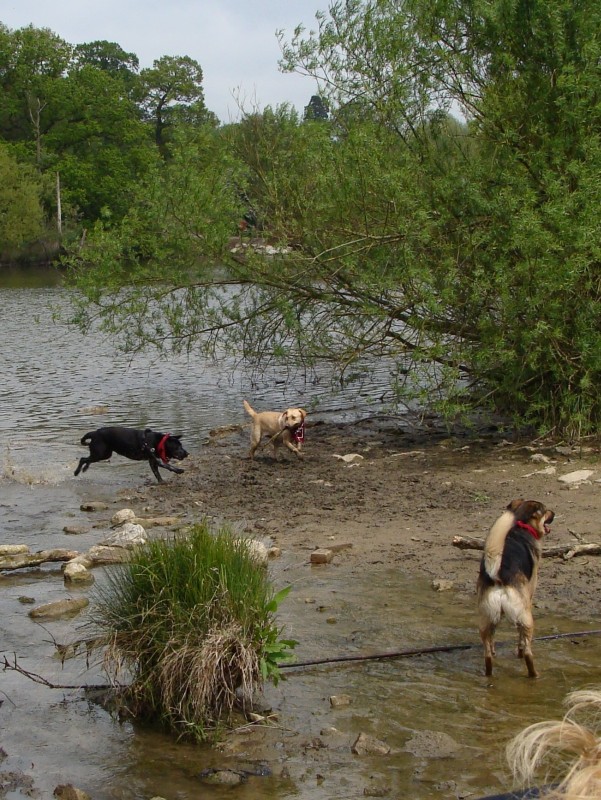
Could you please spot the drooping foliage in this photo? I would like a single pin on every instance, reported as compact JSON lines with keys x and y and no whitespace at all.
{"x":443,"y":218}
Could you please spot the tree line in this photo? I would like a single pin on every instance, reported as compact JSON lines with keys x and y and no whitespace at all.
{"x":435,"y":209}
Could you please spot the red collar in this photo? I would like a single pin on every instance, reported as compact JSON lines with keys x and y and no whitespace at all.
{"x":161,"y":449}
{"x":299,"y":433}
{"x":528,"y":528}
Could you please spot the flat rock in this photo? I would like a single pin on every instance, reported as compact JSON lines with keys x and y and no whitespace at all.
{"x":365,"y":744}
{"x":60,"y":608}
{"x":576,"y":477}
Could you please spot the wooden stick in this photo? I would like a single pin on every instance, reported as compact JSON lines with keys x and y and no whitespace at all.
{"x":567,"y":551}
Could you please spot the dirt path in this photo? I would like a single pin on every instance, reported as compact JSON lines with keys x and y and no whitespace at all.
{"x":401,"y":503}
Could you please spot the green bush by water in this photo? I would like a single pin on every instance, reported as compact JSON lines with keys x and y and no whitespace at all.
{"x":192,"y":620}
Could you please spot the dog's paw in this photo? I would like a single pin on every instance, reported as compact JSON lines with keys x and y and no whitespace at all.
{"x":178,"y":470}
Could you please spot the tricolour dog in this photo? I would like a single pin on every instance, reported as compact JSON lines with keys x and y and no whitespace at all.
{"x":147,"y":445}
{"x":283,"y":427}
{"x":508,"y":576}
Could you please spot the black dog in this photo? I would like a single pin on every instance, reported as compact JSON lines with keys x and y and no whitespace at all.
{"x":147,"y":445}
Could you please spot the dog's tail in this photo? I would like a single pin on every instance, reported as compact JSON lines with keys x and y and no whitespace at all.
{"x":249,"y":409}
{"x":85,"y":439}
{"x":495,"y":542}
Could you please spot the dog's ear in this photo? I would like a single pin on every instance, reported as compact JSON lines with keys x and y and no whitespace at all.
{"x":515,"y":504}
{"x":303,"y":413}
{"x":530,"y":510}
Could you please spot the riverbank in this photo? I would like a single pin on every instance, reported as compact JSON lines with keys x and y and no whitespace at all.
{"x":395,"y":583}
{"x":401,"y":501}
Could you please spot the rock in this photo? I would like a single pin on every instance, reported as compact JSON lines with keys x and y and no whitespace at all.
{"x":274,"y":552}
{"x":93,"y":410}
{"x":130,"y":535}
{"x":222,"y":777}
{"x":350,"y":458}
{"x":340,"y":700}
{"x":365,"y":745}
{"x":20,"y":560}
{"x":100,"y":554}
{"x":540,"y":458}
{"x":575,"y":477}
{"x":256,"y":549}
{"x":93,"y":505}
{"x":26,"y":601}
{"x":69,"y":792}
{"x":124,"y":515}
{"x":322,"y":555}
{"x":442,"y":584}
{"x":74,"y":530}
{"x":60,"y":608}
{"x":432,"y":744}
{"x":157,"y":522}
{"x":76,"y":572}
{"x":13,"y":549}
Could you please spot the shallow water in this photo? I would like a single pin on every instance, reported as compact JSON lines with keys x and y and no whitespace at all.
{"x":50,"y":375}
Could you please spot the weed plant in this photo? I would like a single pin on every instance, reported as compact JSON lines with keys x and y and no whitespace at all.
{"x":191,"y":622}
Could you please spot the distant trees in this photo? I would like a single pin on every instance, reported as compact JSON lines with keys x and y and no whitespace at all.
{"x":444,"y":218}
{"x":87,"y":113}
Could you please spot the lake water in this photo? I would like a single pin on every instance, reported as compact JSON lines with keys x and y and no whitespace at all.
{"x":52,"y":379}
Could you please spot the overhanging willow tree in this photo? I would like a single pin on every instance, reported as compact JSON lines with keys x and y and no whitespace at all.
{"x":466,"y":249}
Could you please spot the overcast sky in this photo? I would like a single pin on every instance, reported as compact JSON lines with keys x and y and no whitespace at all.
{"x":233,"y":40}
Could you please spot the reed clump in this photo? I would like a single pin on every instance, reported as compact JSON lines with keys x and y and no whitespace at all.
{"x":190,"y":629}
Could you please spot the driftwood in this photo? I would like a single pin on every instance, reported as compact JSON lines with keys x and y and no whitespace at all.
{"x":22,"y":560}
{"x":566,"y":551}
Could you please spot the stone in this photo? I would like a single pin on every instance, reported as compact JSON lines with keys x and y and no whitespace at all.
{"x":76,"y":572}
{"x":60,"y":608}
{"x":93,"y":505}
{"x":350,"y":458}
{"x":322,"y":555}
{"x":365,"y":745}
{"x":340,"y":700}
{"x":74,"y":530}
{"x":100,"y":554}
{"x":129,"y":535}
{"x":222,"y":777}
{"x":576,"y":477}
{"x":69,"y":792}
{"x":442,"y":584}
{"x":256,"y":550}
{"x":13,"y":549}
{"x":124,"y":515}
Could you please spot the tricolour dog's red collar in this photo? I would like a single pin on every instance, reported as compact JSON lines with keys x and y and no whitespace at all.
{"x":528,"y":528}
{"x":161,"y":449}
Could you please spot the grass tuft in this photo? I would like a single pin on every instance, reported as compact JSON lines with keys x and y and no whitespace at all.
{"x":190,"y":625}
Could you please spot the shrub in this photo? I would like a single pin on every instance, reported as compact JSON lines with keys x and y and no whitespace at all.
{"x":192,"y":622}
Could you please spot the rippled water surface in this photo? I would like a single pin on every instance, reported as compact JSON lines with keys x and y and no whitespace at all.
{"x":52,"y":378}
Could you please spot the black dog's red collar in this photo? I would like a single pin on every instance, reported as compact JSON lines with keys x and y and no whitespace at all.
{"x":528,"y":528}
{"x":161,"y":449}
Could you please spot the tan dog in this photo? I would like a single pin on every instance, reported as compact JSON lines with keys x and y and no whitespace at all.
{"x":281,"y":426}
{"x":508,"y":576}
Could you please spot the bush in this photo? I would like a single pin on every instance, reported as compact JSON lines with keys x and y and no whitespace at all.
{"x":192,"y":622}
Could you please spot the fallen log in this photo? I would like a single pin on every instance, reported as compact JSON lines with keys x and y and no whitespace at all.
{"x":22,"y":560}
{"x":566,"y":551}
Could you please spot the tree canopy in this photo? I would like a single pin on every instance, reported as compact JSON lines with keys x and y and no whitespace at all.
{"x":441,"y":218}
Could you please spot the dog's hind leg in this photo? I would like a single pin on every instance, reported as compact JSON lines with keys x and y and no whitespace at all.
{"x":525,"y":626}
{"x":487,"y":634}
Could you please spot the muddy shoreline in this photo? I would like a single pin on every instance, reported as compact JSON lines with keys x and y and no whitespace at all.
{"x":395,"y":582}
{"x":401,"y":503}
